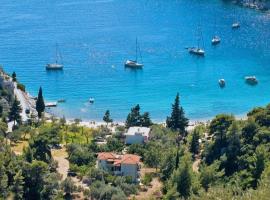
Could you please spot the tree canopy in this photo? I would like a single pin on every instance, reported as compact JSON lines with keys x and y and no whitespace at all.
{"x":177,"y":121}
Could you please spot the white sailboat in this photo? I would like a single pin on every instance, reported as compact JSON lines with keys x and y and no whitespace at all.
{"x":58,"y":60}
{"x":216,"y":39}
{"x":134,"y":63}
{"x":236,"y":23}
{"x":199,"y":51}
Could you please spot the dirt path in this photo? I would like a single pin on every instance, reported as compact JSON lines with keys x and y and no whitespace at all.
{"x":152,"y":192}
{"x":195,"y":165}
{"x":60,"y":155}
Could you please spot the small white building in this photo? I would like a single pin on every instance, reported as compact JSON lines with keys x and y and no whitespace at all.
{"x":119,"y":165}
{"x":137,"y":135}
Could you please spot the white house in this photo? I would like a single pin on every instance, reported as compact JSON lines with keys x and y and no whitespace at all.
{"x":137,"y":135}
{"x":119,"y":165}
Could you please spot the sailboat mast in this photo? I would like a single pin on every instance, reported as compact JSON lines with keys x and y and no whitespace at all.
{"x":56,"y":53}
{"x":136,"y":49}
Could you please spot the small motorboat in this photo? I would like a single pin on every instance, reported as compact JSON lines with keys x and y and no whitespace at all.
{"x":196,"y":51}
{"x":221,"y":83}
{"x":91,"y":100}
{"x":51,"y":104}
{"x":61,"y":101}
{"x":236,"y":25}
{"x":216,"y":40}
{"x":252,"y":80}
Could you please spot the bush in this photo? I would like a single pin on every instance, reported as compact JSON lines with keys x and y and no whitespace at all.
{"x":21,"y":87}
{"x":4,"y":93}
{"x":80,"y":155}
{"x":147,"y":179}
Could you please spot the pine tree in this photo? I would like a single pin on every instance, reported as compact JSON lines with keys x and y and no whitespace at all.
{"x":40,"y":105}
{"x":28,"y":154}
{"x":17,"y":187}
{"x":14,"y":114}
{"x":134,"y":117}
{"x":182,"y":178}
{"x":107,"y":117}
{"x":14,"y":77}
{"x":145,"y":120}
{"x":195,"y":145}
{"x":177,"y":121}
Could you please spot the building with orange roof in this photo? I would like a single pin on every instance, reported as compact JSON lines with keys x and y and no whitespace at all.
{"x":120,"y":165}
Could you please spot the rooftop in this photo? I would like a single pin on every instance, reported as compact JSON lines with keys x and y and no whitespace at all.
{"x":144,"y":131}
{"x":129,"y":159}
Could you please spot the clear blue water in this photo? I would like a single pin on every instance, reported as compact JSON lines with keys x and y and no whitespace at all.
{"x":97,"y":36}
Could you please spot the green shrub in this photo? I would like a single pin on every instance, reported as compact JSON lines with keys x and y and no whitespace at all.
{"x":21,"y":87}
{"x":147,"y":179}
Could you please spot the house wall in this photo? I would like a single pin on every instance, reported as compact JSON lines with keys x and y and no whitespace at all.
{"x":130,"y":170}
{"x":134,"y":139}
{"x":102,"y":164}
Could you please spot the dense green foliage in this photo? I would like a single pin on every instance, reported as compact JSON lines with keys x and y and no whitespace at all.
{"x":177,"y":121}
{"x":134,"y":118}
{"x":15,"y":112}
{"x":107,"y":117}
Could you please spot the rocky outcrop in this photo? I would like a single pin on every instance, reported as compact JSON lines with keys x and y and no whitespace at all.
{"x":262,"y":5}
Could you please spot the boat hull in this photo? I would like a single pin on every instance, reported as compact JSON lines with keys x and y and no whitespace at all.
{"x":221,"y":83}
{"x":251,"y":80}
{"x":195,"y":51}
{"x":215,"y":41}
{"x":133,"y":64}
{"x":235,"y":25}
{"x":54,"y":67}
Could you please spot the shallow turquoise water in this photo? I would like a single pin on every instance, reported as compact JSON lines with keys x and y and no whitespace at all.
{"x":97,"y":36}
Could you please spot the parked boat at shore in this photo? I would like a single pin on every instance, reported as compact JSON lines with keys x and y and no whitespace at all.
{"x":91,"y":100}
{"x":50,"y":104}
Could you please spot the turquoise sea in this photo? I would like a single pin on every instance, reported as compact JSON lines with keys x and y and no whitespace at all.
{"x":96,"y":37}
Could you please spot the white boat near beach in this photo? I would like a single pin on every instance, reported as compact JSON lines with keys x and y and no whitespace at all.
{"x":51,"y":104}
{"x":91,"y":100}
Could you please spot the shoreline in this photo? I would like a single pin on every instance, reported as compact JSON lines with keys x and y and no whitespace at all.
{"x":27,"y":101}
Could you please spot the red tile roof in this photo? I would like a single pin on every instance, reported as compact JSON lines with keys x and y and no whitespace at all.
{"x":106,"y":156}
{"x":130,"y":159}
